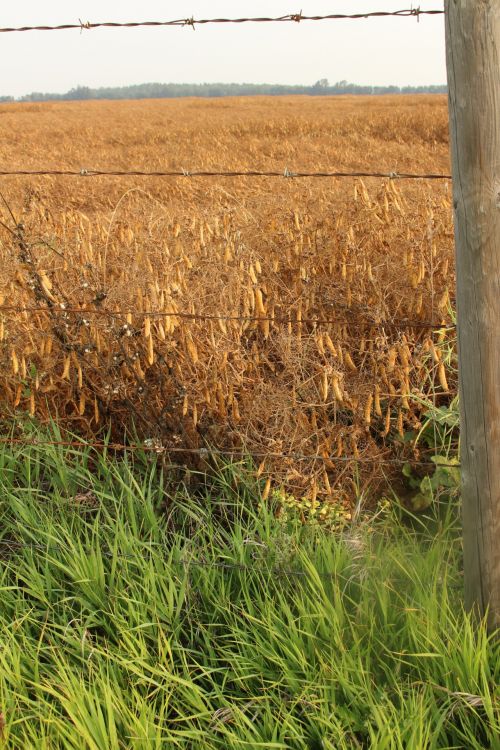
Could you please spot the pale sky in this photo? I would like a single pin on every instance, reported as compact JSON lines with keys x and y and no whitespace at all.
{"x":397,"y":51}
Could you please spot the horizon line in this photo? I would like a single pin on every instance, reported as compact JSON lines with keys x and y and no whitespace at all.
{"x":217,"y":89}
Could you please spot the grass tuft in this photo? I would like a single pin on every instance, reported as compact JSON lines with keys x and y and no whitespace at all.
{"x":134,"y":618}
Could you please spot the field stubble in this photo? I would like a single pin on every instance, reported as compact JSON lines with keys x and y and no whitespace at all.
{"x":362,"y":254}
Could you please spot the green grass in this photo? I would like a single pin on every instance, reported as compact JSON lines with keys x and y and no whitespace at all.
{"x":142,"y":620}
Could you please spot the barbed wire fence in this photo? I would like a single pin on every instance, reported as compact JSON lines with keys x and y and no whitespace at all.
{"x":87,"y":173}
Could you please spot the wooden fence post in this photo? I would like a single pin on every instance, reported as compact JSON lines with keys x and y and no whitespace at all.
{"x":473,"y":62}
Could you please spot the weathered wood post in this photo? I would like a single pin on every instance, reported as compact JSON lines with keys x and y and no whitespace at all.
{"x":473,"y":61}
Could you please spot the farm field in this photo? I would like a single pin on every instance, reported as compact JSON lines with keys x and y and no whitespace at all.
{"x":371,"y":260}
{"x":280,"y":356}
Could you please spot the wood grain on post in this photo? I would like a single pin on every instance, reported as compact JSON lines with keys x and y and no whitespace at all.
{"x":473,"y":61}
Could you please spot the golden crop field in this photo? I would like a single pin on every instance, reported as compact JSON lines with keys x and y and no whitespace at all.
{"x":359,"y":255}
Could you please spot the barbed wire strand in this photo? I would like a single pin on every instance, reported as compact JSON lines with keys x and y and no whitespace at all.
{"x":194,"y":22}
{"x":216,"y":564}
{"x":150,"y":446}
{"x":396,"y":323}
{"x":287,"y":174}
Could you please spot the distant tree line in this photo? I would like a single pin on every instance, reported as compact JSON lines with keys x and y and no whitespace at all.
{"x":208,"y":90}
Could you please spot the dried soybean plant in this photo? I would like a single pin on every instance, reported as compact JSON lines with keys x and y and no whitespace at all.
{"x":258,"y":373}
{"x":236,"y":318}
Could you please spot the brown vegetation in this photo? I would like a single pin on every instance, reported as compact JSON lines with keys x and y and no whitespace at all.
{"x":360,"y":254}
